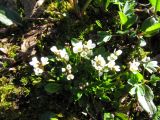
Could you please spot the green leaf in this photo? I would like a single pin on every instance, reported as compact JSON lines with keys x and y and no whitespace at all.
{"x":107,"y":38}
{"x":104,"y":37}
{"x":121,"y":116}
{"x":9,"y":17}
{"x":126,"y":8}
{"x":145,"y":98}
{"x":155,"y":4}
{"x":107,"y":116}
{"x":149,"y":93}
{"x":98,"y":22}
{"x":135,"y":78}
{"x":131,"y":20}
{"x":107,"y":3}
{"x":5,"y":20}
{"x":148,"y":23}
{"x":157,"y":115}
{"x":52,"y":87}
{"x":153,"y":27}
{"x":150,"y":27}
{"x":154,"y":79}
{"x":78,"y":96}
{"x":123,"y":17}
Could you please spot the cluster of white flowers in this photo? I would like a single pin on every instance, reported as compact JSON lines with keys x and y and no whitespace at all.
{"x":112,"y":58}
{"x":68,"y":72}
{"x":85,"y":50}
{"x":37,"y":65}
{"x":148,"y":64}
{"x":61,"y":54}
{"x":100,"y":64}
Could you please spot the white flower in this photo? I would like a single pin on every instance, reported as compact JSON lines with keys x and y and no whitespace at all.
{"x":116,"y":68}
{"x":64,"y":54}
{"x":54,"y":49}
{"x":134,"y":66}
{"x":111,"y":64}
{"x":44,"y":61}
{"x":99,"y":63}
{"x":38,"y":71}
{"x":35,"y":63}
{"x":90,"y":45}
{"x":78,"y":47}
{"x":70,"y":77}
{"x":63,"y":69}
{"x":68,"y":67}
{"x":112,"y":57}
{"x":118,"y":52}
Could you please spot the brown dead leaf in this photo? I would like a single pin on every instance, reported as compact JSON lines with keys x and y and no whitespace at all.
{"x":29,"y":40}
{"x":27,"y":43}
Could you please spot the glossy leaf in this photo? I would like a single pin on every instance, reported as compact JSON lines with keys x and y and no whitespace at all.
{"x":9,"y":17}
{"x":155,"y":4}
{"x":123,"y":18}
{"x":104,"y":37}
{"x":129,"y":8}
{"x":153,"y":27}
{"x":145,"y":98}
{"x":5,"y":20}
{"x":148,"y":23}
{"x":150,"y":27}
{"x":131,"y":20}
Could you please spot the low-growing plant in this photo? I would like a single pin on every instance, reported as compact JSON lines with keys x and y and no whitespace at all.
{"x":85,"y":69}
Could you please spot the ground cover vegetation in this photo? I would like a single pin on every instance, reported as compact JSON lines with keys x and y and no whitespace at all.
{"x":79,"y":60}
